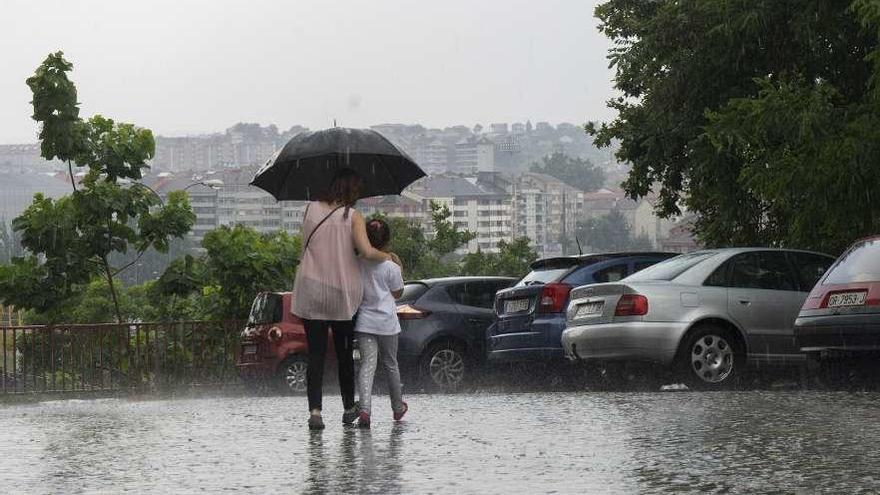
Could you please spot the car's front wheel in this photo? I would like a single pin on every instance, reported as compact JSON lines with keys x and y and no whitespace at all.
{"x":292,"y":374}
{"x":711,"y":358}
{"x":444,"y":366}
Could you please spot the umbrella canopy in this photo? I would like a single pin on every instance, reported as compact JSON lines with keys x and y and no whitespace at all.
{"x":303,"y":169}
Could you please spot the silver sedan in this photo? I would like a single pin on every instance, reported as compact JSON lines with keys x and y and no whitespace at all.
{"x":705,"y":314}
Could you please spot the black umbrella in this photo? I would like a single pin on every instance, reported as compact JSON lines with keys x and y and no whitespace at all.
{"x":303,"y":169}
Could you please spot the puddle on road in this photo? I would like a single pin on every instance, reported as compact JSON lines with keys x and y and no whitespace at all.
{"x":739,"y":442}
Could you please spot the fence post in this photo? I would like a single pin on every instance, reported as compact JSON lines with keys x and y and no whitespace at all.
{"x":5,"y":373}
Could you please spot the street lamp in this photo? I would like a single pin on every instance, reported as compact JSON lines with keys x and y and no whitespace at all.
{"x":211,"y":184}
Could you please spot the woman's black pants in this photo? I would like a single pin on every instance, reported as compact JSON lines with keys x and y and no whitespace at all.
{"x":343,"y":338}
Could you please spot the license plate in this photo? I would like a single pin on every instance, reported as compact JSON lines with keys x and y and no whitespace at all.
{"x":590,"y":309}
{"x":249,"y":350}
{"x":516,"y":305}
{"x":847,"y":299}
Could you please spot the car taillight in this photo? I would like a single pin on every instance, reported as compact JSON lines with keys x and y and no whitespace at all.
{"x":407,"y":312}
{"x":631,"y":305}
{"x":553,"y":298}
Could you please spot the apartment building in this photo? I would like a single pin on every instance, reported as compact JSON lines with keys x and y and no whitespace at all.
{"x":226,"y":198}
{"x":203,"y":199}
{"x":546,"y":210}
{"x":474,"y":154}
{"x":25,"y":158}
{"x":404,"y":206}
{"x":431,"y":155}
{"x":477,"y":207}
{"x":640,"y":214}
{"x":19,"y":189}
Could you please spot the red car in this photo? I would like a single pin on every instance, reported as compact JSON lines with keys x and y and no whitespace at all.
{"x":841,"y":316}
{"x":273,"y":343}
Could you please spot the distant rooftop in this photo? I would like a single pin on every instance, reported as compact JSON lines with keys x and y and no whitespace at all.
{"x":440,"y":186}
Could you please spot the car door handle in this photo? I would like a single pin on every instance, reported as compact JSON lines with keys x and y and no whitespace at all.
{"x":475,"y":320}
{"x":745,"y":302}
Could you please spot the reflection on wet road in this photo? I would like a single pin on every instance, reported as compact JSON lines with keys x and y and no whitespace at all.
{"x":739,"y":442}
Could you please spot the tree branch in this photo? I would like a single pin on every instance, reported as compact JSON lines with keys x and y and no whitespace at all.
{"x":70,"y":171}
{"x":128,"y":265}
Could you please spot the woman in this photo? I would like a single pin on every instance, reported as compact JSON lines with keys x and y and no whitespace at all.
{"x":328,"y":290}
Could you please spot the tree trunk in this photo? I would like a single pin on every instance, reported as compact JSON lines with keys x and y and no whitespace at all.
{"x":109,"y":272}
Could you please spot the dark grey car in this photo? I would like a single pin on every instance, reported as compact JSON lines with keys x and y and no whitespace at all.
{"x":443,"y":322}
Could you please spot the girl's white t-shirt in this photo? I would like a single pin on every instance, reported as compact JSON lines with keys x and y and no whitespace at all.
{"x":378,"y":310}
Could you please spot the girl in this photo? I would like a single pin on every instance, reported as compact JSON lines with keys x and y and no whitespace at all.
{"x":377,"y":326}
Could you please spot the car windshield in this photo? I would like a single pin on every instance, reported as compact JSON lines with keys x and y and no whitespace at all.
{"x":671,"y":268}
{"x":859,"y":264}
{"x":267,"y":308}
{"x":543,"y":276}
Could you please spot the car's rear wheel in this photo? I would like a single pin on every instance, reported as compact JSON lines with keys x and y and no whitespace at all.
{"x":444,"y":367}
{"x":292,"y":374}
{"x":711,"y":358}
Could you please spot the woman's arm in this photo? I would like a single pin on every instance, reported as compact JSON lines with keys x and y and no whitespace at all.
{"x":362,"y":242}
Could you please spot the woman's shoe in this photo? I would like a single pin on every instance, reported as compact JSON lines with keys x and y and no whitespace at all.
{"x":351,"y":414}
{"x":316,"y":422}
{"x":364,"y":419}
{"x":399,"y":415}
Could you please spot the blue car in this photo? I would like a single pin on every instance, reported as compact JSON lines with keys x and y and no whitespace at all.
{"x":530,"y":316}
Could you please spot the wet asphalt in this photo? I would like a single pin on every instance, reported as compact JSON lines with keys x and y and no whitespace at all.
{"x":563,"y":442}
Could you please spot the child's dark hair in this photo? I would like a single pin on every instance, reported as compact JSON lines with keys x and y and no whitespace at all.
{"x":378,"y":232}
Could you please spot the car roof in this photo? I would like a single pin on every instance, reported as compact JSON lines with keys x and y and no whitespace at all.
{"x":589,"y":259}
{"x":739,"y":250}
{"x":875,"y":237}
{"x":455,"y":280}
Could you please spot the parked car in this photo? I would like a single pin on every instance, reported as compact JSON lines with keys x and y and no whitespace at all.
{"x":704,"y":315}
{"x":442,"y":323}
{"x":841,"y":316}
{"x":531,"y":315}
{"x":273,"y":345}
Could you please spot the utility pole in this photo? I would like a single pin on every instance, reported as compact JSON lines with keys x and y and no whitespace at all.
{"x":564,"y":222}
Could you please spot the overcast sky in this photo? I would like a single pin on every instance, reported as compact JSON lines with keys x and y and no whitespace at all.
{"x":196,"y":66}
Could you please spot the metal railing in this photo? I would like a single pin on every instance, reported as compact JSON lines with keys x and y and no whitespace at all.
{"x":10,"y":316}
{"x":142,"y":356}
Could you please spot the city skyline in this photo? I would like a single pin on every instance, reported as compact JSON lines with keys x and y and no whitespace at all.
{"x":379,"y":66}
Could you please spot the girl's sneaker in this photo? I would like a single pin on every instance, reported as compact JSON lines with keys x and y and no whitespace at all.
{"x":399,"y":415}
{"x":364,"y":419}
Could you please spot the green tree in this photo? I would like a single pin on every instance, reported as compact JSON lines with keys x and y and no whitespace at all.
{"x":760,"y":117}
{"x":92,"y":303}
{"x":447,"y":238}
{"x":512,"y":260}
{"x":576,"y":172}
{"x":71,"y":239}
{"x":409,"y":243}
{"x":609,"y":232}
{"x":427,"y":257}
{"x":239,"y":263}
